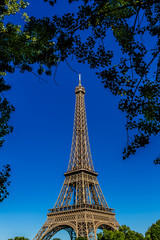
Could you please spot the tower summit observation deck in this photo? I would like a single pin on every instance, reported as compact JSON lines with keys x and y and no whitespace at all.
{"x":81,"y":207}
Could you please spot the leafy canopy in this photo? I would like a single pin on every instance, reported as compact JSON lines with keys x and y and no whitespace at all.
{"x":134,"y":76}
{"x":123,"y":233}
{"x":153,"y":232}
{"x":19,"y":49}
{"x":8,"y":34}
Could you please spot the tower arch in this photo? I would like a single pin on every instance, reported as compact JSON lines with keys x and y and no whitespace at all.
{"x":105,"y":225}
{"x":55,"y":228}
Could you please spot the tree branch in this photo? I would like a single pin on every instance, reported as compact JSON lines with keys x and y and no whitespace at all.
{"x":144,"y":74}
{"x":97,"y":9}
{"x":70,"y":67}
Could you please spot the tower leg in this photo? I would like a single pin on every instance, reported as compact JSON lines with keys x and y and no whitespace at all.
{"x":71,"y":233}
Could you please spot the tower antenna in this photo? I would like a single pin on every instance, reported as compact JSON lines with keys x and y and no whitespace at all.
{"x":80,"y":79}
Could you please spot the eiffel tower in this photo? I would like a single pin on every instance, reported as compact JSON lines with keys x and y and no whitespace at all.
{"x":81,"y":208}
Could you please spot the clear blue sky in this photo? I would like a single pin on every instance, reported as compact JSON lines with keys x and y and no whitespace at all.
{"x":39,"y":149}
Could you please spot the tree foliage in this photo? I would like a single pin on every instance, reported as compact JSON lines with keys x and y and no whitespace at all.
{"x":131,"y":77}
{"x":125,"y":233}
{"x":19,"y":50}
{"x":153,"y":232}
{"x":135,"y":76}
{"x":4,"y":182}
{"x":23,"y":238}
{"x":111,"y":235}
{"x":9,"y":31}
{"x":19,"y":238}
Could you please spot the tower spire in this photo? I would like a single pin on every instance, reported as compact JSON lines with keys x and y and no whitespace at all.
{"x":80,"y":157}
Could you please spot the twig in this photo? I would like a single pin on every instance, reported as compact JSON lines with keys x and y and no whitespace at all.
{"x":141,"y":19}
{"x":144,"y":74}
{"x":44,"y":80}
{"x":34,"y":74}
{"x":70,"y":67}
{"x":54,"y":76}
{"x":2,"y":95}
{"x":139,"y":4}
{"x":137,"y":14}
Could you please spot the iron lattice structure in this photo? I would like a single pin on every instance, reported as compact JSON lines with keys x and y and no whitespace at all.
{"x":81,"y":207}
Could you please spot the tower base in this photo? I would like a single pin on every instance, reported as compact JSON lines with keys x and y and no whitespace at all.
{"x":82,"y":221}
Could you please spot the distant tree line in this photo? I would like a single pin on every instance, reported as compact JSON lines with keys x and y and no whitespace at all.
{"x":18,"y":238}
{"x":125,"y":233}
{"x":23,"y":238}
